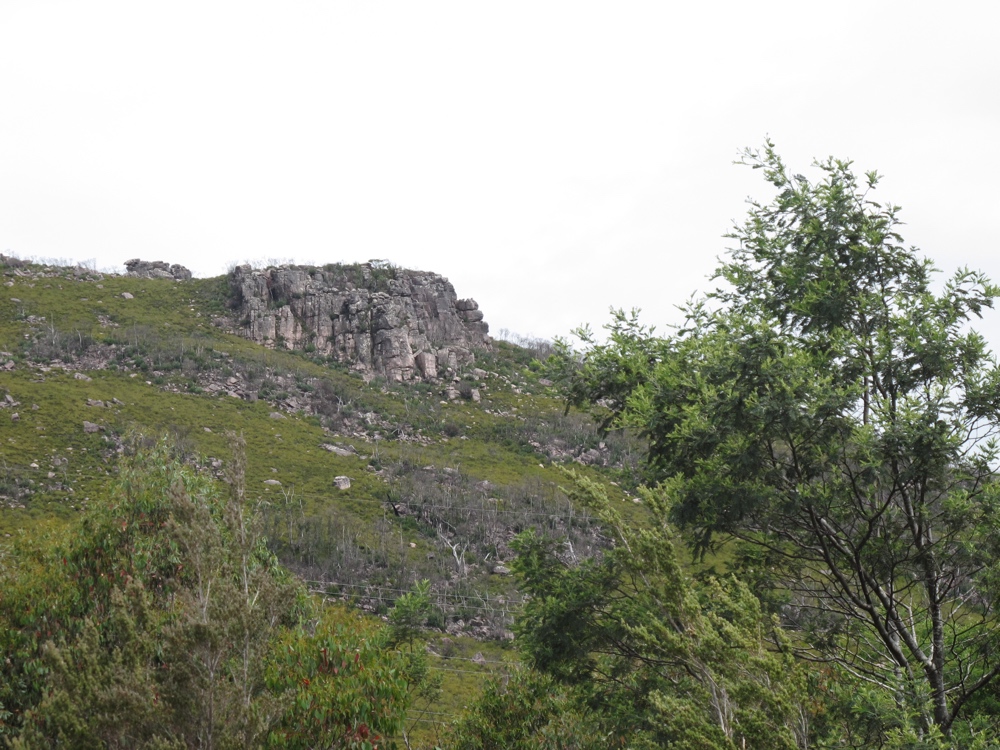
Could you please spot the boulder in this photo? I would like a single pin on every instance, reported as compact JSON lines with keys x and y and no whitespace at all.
{"x":337,"y":449}
{"x":156,"y":269}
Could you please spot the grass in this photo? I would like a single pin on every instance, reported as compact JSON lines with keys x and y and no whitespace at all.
{"x":494,"y":465}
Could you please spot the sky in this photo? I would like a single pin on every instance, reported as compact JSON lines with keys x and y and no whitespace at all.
{"x":552,"y":159}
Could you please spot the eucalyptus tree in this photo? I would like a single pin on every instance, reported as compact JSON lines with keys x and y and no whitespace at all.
{"x":830,"y":410}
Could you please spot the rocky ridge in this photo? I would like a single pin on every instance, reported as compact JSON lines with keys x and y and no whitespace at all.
{"x":156,"y":269}
{"x":384,"y":321}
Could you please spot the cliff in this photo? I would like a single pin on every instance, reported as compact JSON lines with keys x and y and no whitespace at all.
{"x":385,"y":321}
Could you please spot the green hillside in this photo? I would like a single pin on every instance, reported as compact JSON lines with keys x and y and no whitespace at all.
{"x":437,"y":490}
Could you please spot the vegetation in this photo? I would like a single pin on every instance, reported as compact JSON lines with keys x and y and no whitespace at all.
{"x":165,"y":622}
{"x":509,"y":568}
{"x":437,"y":491}
{"x":829,"y":420}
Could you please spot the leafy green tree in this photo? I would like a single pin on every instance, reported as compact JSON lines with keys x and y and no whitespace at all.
{"x":165,"y":622}
{"x":346,"y":688}
{"x":523,"y":711}
{"x":659,"y":661}
{"x":406,"y":634}
{"x":830,"y":410}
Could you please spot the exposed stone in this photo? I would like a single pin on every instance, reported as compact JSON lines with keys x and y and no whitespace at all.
{"x":272,"y":482}
{"x":156,"y":269}
{"x":337,"y":449}
{"x":427,"y":364}
{"x":126,"y":295}
{"x":81,"y":376}
{"x":342,"y":483}
{"x":15,"y":417}
{"x":277,"y":415}
{"x":394,"y":323}
{"x":90,"y":427}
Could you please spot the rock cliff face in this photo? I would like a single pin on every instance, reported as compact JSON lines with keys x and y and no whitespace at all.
{"x":385,"y":321}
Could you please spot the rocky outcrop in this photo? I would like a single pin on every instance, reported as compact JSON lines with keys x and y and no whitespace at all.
{"x":156,"y":269}
{"x":384,"y":321}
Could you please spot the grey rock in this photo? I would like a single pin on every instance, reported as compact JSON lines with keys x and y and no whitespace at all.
{"x":342,"y":483}
{"x":337,"y":449}
{"x":427,"y":364}
{"x":394,"y":323}
{"x":156,"y":269}
{"x":90,"y":427}
{"x":272,"y":482}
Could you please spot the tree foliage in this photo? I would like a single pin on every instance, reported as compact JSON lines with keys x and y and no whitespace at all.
{"x":658,"y":660}
{"x":523,"y":711}
{"x":165,"y":622}
{"x":829,"y":412}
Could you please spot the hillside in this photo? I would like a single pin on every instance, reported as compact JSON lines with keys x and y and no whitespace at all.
{"x":389,"y":439}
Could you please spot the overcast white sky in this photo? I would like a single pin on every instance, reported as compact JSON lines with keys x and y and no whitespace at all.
{"x":551,"y":159}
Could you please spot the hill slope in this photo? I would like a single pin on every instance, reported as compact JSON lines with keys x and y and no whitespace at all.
{"x":372,"y":473}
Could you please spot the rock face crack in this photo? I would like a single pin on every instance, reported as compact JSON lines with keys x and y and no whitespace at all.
{"x":384,"y":321}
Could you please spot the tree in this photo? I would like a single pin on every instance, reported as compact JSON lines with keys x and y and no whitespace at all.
{"x":525,"y":710}
{"x":653,"y":659}
{"x":831,"y":414}
{"x":163,"y":621}
{"x":405,"y":634}
{"x":345,"y":686}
